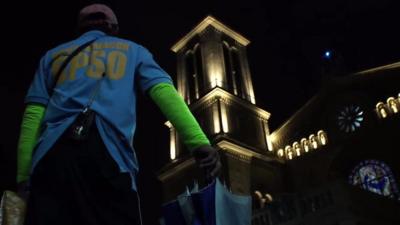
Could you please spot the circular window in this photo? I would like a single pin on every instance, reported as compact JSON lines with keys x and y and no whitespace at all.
{"x":350,"y":118}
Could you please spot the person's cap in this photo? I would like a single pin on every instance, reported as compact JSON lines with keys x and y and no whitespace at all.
{"x":98,"y":8}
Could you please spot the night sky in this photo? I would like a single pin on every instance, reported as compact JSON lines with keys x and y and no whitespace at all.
{"x":287,"y":38}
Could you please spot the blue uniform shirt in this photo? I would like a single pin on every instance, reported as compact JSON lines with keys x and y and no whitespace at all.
{"x":127,"y":67}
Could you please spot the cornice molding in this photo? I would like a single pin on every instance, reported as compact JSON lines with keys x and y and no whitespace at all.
{"x":220,"y":93}
{"x":244,"y":153}
{"x":210,"y":21}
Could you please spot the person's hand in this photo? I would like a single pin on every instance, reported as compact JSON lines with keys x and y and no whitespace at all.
{"x":207,"y":158}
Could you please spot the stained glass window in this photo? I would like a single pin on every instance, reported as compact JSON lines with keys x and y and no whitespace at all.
{"x":374,"y":176}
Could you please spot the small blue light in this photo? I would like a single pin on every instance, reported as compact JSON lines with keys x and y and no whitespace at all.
{"x":328,"y":54}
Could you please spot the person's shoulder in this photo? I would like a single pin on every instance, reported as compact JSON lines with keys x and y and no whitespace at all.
{"x":63,"y":48}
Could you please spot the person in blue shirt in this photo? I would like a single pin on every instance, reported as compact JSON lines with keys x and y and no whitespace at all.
{"x":91,"y":180}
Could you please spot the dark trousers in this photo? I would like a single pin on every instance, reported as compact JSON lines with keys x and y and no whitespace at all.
{"x":78,"y":183}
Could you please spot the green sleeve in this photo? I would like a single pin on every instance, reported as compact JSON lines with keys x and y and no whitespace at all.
{"x":29,"y":133}
{"x":177,"y":112}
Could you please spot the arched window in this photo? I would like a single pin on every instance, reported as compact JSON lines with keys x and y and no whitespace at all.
{"x":268,"y":198}
{"x":323,"y":139}
{"x":374,"y":176}
{"x":297,"y":148}
{"x":199,"y":70}
{"x":305,"y":144}
{"x":230,"y":81}
{"x":313,"y":141}
{"x":289,"y":152}
{"x":260,"y":201}
{"x":191,"y":75}
{"x":280,"y":153}
{"x":381,"y":110}
{"x":237,"y":73}
{"x":392,"y":104}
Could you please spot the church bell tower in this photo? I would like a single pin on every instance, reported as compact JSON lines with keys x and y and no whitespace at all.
{"x":213,"y":77}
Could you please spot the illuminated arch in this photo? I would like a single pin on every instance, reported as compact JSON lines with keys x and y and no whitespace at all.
{"x":259,"y":200}
{"x":269,"y":197}
{"x":313,"y":141}
{"x":305,"y":144}
{"x":297,"y":148}
{"x":262,"y":200}
{"x":258,"y":194}
{"x":289,"y":152}
{"x":392,"y":105}
{"x":374,"y":176}
{"x":190,"y":76}
{"x":323,"y":138}
{"x":381,"y":110}
{"x":280,"y":153}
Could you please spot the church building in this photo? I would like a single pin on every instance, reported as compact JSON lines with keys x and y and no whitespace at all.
{"x":332,"y":162}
